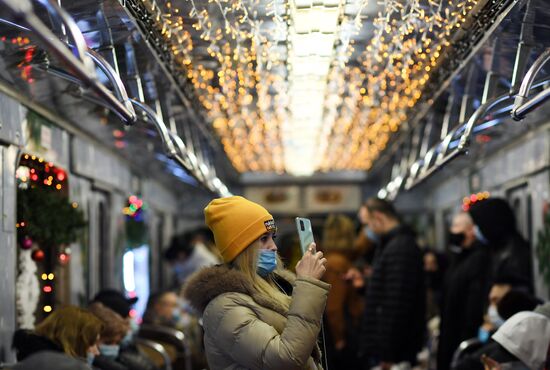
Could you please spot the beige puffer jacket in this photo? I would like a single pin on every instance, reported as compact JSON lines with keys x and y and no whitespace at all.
{"x":248,"y":330}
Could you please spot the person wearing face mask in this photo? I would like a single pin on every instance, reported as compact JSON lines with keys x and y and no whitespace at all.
{"x":394,"y":319}
{"x":163,"y":309}
{"x":465,"y":288}
{"x":129,"y":353}
{"x":71,"y":330}
{"x":114,"y":329}
{"x":256,"y":314}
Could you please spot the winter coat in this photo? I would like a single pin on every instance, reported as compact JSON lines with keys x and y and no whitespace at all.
{"x":48,"y":360}
{"x":466,"y":289}
{"x":344,"y":304}
{"x":106,"y":363}
{"x":526,"y":335}
{"x":245,"y":329}
{"x":394,"y":323}
{"x":26,"y":343}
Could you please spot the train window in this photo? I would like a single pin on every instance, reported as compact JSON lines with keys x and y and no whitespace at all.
{"x":520,"y":200}
{"x":135,"y":272}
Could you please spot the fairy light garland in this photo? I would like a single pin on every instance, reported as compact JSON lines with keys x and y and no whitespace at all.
{"x":246,"y":95}
{"x":407,"y":47}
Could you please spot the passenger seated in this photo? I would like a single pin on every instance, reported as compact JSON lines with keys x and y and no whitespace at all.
{"x":72,"y":330}
{"x":502,"y":285}
{"x":526,"y":335}
{"x":114,"y":329}
{"x":129,"y":352}
{"x":513,"y":302}
{"x":163,"y":309}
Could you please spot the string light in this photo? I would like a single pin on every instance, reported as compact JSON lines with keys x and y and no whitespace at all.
{"x":468,"y":201}
{"x":247,"y":96}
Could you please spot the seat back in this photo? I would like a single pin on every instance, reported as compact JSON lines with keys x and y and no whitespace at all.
{"x":156,"y":352}
{"x":466,"y":347}
{"x":173,"y":340}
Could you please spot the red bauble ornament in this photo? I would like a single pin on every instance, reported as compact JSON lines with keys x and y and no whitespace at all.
{"x":64,"y":258}
{"x":38,"y":255}
{"x":27,"y":243}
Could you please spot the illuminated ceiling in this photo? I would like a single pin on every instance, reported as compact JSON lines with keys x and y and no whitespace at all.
{"x":304,"y":86}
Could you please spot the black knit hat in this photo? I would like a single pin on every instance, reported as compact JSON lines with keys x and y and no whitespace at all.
{"x":116,"y":301}
{"x":495,"y":219}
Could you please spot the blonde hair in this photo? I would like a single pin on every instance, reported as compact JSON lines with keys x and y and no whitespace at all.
{"x":338,"y":234}
{"x":114,"y":326}
{"x":247,"y":263}
{"x":73,"y":328}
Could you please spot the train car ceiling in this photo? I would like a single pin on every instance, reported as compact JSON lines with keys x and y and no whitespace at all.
{"x":224,"y":93}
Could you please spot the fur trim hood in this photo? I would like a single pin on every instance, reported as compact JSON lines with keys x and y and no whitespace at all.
{"x":210,"y":282}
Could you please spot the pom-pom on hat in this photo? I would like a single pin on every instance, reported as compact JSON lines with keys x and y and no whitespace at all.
{"x":236,"y":222}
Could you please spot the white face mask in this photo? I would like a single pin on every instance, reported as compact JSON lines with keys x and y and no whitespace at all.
{"x":494,"y":317}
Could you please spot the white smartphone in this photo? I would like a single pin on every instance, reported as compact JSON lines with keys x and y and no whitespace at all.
{"x":303,"y":225}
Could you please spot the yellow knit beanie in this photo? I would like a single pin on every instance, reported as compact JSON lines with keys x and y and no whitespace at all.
{"x":236,"y":222}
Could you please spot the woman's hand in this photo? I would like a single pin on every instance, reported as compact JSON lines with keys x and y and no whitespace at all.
{"x":312,"y":264}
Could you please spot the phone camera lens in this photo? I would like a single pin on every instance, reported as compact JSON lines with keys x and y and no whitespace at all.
{"x":302,"y":225}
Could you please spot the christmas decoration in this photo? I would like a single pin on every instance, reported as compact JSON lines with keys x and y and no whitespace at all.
{"x":49,"y":217}
{"x":136,"y":229}
{"x":27,"y":243}
{"x":38,"y":255}
{"x":28,"y":290}
{"x":474,"y":198}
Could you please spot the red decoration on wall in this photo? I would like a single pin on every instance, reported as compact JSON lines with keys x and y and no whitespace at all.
{"x":38,"y":255}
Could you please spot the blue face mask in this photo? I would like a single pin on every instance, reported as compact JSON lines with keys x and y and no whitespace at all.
{"x":109,"y":350}
{"x":371,"y":235}
{"x":127,"y":338}
{"x":479,"y":235}
{"x":483,"y":335}
{"x":494,"y":317}
{"x":134,"y":327}
{"x":90,"y":357}
{"x":176,"y":315}
{"x":267,"y":262}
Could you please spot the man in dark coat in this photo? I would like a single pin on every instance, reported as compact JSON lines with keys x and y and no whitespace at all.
{"x":394,"y":324}
{"x":465,"y":289}
{"x":496,"y":226}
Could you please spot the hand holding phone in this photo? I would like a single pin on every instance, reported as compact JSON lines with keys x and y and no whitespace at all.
{"x":303,"y":225}
{"x":312,"y":263}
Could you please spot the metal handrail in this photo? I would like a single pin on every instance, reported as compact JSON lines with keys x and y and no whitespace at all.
{"x":118,"y":86}
{"x":522,"y":103}
{"x":79,"y":43}
{"x":167,"y":142}
{"x":182,"y":157}
{"x":24,"y":11}
{"x":480,"y":113}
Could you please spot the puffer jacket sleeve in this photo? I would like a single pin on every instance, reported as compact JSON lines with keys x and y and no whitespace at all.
{"x":254,"y":344}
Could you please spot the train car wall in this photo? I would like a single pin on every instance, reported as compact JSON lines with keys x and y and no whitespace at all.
{"x":524,"y":161}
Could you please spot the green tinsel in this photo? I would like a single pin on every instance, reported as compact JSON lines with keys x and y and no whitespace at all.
{"x":49,"y":217}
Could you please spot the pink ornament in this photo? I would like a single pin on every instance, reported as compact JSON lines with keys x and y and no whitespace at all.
{"x":27,"y":243}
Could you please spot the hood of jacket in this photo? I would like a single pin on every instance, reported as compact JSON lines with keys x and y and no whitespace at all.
{"x":526,"y":335}
{"x":208,"y":283}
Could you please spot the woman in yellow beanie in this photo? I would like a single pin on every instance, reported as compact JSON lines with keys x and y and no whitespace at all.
{"x":256,"y":314}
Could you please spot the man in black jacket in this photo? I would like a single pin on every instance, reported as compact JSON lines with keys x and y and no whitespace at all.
{"x":393,"y":329}
{"x":466,"y":287}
